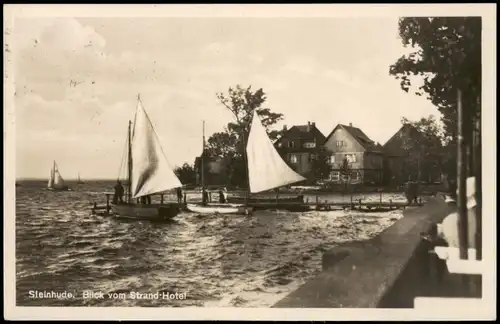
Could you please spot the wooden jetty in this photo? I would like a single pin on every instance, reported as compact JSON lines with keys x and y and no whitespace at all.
{"x":292,"y":206}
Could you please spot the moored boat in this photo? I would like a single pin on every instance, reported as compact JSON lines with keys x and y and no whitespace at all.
{"x":148,"y":173}
{"x":219,"y":209}
{"x":266,"y":171}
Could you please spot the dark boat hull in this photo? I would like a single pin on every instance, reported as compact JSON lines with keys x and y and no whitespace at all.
{"x":146,"y":212}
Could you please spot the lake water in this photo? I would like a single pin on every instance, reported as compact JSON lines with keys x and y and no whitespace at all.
{"x":213,"y":260}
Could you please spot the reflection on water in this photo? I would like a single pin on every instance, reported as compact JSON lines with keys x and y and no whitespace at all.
{"x":217,"y":260}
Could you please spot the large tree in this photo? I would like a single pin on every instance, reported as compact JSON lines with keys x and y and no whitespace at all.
{"x":242,"y":102}
{"x":230,"y":144}
{"x":320,"y":165}
{"x":447,"y":55}
{"x":186,"y":174}
{"x":425,"y":147}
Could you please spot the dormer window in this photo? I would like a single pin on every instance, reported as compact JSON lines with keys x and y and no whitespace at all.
{"x":309,"y":145}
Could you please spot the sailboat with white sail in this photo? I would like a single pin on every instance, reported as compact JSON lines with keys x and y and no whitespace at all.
{"x":56,"y":181}
{"x":266,"y":170}
{"x":210,"y":208}
{"x":148,"y":172}
{"x":79,"y":181}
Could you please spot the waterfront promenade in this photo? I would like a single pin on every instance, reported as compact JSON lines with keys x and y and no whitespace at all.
{"x":388,"y":271}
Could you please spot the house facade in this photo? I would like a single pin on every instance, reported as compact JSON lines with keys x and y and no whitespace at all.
{"x":402,"y":161}
{"x":364,"y":156}
{"x":299,"y":146}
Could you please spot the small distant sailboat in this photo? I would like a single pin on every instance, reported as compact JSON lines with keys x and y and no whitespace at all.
{"x":266,"y":169}
{"x":149,"y":172}
{"x":79,"y":181}
{"x":56,"y":181}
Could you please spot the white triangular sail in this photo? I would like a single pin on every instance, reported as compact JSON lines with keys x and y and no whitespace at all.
{"x":151,"y":171}
{"x":58,"y":180}
{"x":266,"y":168}
{"x":50,"y":184}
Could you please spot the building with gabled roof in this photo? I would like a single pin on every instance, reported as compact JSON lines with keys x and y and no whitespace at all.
{"x":364,"y":156}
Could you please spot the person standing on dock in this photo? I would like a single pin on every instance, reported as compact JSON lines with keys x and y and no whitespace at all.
{"x":179,"y":195}
{"x":204,"y":197}
{"x":222,"y":196}
{"x":119,"y":191}
{"x":411,"y":191}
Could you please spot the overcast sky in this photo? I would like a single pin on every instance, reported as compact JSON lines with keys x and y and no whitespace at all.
{"x":326,"y":70}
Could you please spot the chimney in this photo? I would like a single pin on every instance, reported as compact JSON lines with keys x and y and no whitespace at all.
{"x":313,"y":124}
{"x":308,"y":126}
{"x":284,"y":128}
{"x":350,"y":124}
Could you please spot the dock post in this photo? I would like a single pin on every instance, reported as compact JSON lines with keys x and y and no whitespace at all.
{"x":359,"y":204}
{"x":390,"y":204}
{"x":107,"y":204}
{"x":161,"y":199}
{"x":185,"y":198}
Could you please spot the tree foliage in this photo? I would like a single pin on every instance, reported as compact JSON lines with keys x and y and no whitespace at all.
{"x":242,"y":102}
{"x":424,"y":146}
{"x":448,"y":56}
{"x":320,"y":164}
{"x":186,"y":174}
{"x":230,"y":145}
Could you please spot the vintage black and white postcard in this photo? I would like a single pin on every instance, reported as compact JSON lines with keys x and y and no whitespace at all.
{"x":284,"y":162}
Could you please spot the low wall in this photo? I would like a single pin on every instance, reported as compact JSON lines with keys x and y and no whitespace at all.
{"x":386,"y":271}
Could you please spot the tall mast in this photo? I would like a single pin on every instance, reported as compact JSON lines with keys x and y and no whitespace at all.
{"x":245,"y":161}
{"x":203,"y":166}
{"x":129,"y":163}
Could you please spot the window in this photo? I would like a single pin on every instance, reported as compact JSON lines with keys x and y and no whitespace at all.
{"x":340,"y":144}
{"x":293,"y":158}
{"x":334,"y":176}
{"x":310,"y":145}
{"x":355,"y":176}
{"x":332,"y":159}
{"x":291,"y":144}
{"x":312,"y":157}
{"x":351,"y":158}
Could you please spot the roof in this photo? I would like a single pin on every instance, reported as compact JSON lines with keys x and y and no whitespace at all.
{"x":304,"y":132}
{"x":394,"y":146}
{"x":363,"y":139}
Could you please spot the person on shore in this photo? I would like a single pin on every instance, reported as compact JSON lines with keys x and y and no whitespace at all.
{"x":222,"y":196}
{"x":448,"y":229}
{"x":204,"y":197}
{"x":119,"y":191}
{"x":179,"y":195}
{"x":146,"y":200}
{"x":411,"y":192}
